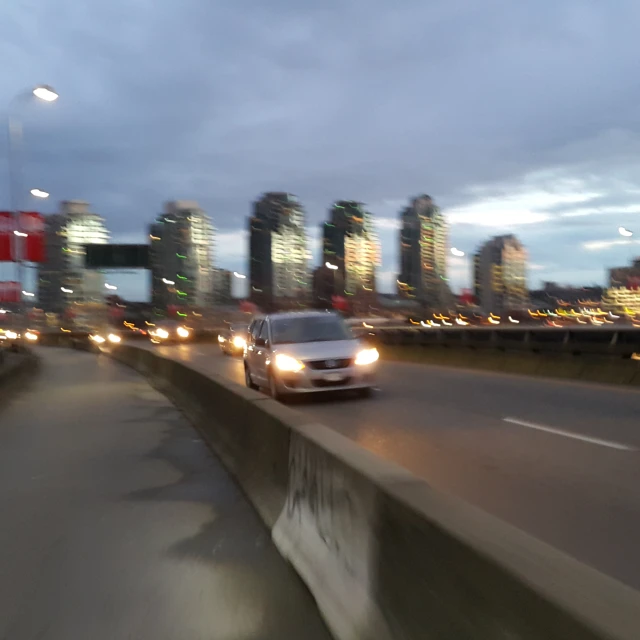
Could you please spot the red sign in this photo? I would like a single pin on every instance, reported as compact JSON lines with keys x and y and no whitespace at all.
{"x":7,"y":227}
{"x":32,"y":223}
{"x":340,"y":303}
{"x":10,"y":291}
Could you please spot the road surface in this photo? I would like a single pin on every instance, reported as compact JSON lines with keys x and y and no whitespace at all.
{"x":560,"y":460}
{"x":117,"y":522}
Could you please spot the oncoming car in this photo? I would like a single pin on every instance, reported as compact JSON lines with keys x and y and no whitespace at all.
{"x":169,"y":331}
{"x":233,"y":340}
{"x":307,"y":352}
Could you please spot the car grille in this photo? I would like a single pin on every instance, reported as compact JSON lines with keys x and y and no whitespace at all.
{"x":330,"y":383}
{"x":330,"y":363}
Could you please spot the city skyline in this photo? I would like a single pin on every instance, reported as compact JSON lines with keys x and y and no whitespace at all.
{"x":232,"y":253}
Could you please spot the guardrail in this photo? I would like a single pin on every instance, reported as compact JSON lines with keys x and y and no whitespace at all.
{"x":621,"y":341}
{"x":384,"y":554}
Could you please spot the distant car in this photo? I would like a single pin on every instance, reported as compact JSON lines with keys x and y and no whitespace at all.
{"x":233,"y":340}
{"x":307,"y":352}
{"x":169,"y":332}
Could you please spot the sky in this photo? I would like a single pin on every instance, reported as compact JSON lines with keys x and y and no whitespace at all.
{"x":515,"y":117}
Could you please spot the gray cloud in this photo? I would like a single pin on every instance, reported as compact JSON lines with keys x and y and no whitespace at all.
{"x":370,"y":100}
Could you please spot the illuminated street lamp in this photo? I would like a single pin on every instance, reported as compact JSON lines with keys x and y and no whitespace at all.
{"x":457,"y":252}
{"x":625,"y":232}
{"x":333,"y":267}
{"x":111,"y":287}
{"x":170,"y":282}
{"x":14,"y":124}
{"x":241,"y":276}
{"x":39,"y":193}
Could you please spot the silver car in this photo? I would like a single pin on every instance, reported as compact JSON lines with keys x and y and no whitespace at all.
{"x":307,"y":352}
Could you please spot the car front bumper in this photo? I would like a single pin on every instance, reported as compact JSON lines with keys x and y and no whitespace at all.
{"x":317,"y":381}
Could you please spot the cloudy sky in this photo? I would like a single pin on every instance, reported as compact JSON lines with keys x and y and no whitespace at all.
{"x":515,"y":117}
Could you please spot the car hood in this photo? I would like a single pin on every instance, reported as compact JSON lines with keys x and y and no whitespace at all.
{"x":320,"y":350}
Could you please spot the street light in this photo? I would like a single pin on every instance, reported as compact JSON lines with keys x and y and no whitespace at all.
{"x":239,"y":275}
{"x":45,"y":92}
{"x":111,"y":287}
{"x":457,"y":252}
{"x":625,"y":232}
{"x":65,"y":290}
{"x":168,"y":281}
{"x":333,"y":267}
{"x":39,"y":193}
{"x":14,"y":125}
{"x":28,"y":294}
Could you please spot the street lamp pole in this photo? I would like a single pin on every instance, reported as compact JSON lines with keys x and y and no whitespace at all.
{"x":14,"y":129}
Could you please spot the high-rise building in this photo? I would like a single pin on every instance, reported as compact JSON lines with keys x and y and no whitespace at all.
{"x":181,"y":256}
{"x":350,"y":243}
{"x":222,"y":294}
{"x":278,"y":256}
{"x":65,"y":286}
{"x":423,"y":254}
{"x":625,"y":276}
{"x":501,"y":274}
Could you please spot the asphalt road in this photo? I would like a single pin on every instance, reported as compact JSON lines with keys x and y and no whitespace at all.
{"x":117,"y":522}
{"x":560,"y":460}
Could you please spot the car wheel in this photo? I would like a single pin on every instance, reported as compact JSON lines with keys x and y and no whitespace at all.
{"x":247,"y":379}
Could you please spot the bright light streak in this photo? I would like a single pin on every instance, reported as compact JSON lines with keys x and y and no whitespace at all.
{"x":461,"y":322}
{"x":39,"y":193}
{"x":447,"y":324}
{"x":333,"y":267}
{"x":457,"y":252}
{"x":492,"y":320}
{"x":112,"y":337}
{"x":12,"y":335}
{"x":30,"y":335}
{"x":239,"y":275}
{"x":20,"y":234}
{"x":627,"y":233}
{"x":111,"y":287}
{"x":239,"y":342}
{"x":29,"y":294}
{"x":167,"y":281}
{"x":514,"y":320}
{"x":220,"y":339}
{"x":613,"y":316}
{"x":65,"y":290}
{"x":182,"y":332}
{"x":162,"y":333}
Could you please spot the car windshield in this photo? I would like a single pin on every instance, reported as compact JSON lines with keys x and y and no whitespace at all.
{"x":309,"y":329}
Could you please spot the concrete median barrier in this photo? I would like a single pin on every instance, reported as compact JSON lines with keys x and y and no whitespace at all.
{"x":385,"y":555}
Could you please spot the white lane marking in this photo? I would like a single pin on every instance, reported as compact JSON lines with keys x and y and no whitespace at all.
{"x":568,"y":434}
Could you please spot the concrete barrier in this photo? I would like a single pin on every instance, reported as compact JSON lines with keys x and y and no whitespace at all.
{"x":385,"y":555}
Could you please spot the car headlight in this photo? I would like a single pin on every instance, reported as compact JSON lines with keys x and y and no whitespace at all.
{"x":367,"y":356}
{"x":112,"y":337}
{"x":287,"y":363}
{"x":97,"y":339}
{"x":239,"y":343}
{"x":162,"y":333}
{"x":220,"y":339}
{"x":12,"y":335}
{"x":30,"y":335}
{"x":182,"y":332}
